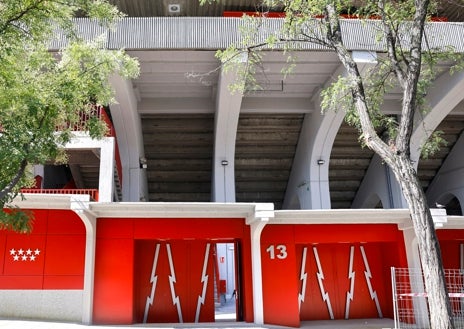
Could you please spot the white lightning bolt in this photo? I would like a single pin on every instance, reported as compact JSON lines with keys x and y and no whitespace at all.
{"x":368,"y":275}
{"x":320,"y":277}
{"x":172,"y":280}
{"x":303,"y":277}
{"x":153,"y":280}
{"x":349,"y":294}
{"x":204,"y":279}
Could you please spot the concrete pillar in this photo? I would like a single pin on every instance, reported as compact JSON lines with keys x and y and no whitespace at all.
{"x":258,"y":309}
{"x":379,"y":183}
{"x":443,"y":98}
{"x":90,"y":223}
{"x":449,"y":181}
{"x":127,"y":123}
{"x":106,"y":176}
{"x":308,"y":185}
{"x":228,"y":106}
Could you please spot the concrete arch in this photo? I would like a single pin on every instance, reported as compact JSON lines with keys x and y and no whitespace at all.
{"x":372,"y":201}
{"x":379,"y":181}
{"x":443,"y":98}
{"x":449,"y":181}
{"x":128,"y":125}
{"x":451,"y":202}
{"x":309,"y":178}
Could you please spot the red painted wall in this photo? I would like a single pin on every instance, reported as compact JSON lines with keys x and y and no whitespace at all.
{"x":51,"y":257}
{"x":122,"y":256}
{"x":325,"y":279}
{"x":450,"y":244}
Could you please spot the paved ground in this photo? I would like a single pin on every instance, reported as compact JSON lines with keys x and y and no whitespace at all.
{"x":337,"y":324}
{"x":225,"y":316}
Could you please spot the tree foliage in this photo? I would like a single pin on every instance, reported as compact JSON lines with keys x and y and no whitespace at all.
{"x":41,"y":91}
{"x":405,"y":63}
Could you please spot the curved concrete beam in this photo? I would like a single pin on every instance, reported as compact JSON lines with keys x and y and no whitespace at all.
{"x":225,"y":131}
{"x":443,"y":98}
{"x":309,"y":178}
{"x":445,"y":93}
{"x":380,"y":181}
{"x":128,"y":127}
{"x":450,"y":177}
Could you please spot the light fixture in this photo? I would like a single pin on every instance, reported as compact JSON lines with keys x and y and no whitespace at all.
{"x":174,"y":8}
{"x":320,"y":162}
{"x":143,"y":163}
{"x":224,"y":162}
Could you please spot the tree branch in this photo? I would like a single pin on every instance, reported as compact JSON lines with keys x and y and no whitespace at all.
{"x":370,"y":136}
{"x":409,"y":105}
{"x":8,"y":188}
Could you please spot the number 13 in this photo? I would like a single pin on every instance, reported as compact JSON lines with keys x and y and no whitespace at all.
{"x":279,"y":251}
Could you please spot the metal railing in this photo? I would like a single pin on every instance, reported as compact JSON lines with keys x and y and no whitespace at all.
{"x":410,"y":299}
{"x":93,"y":193}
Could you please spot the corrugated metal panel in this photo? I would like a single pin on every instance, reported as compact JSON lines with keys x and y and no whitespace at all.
{"x":217,"y":33}
{"x":85,"y":28}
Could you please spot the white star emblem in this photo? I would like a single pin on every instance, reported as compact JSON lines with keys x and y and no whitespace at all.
{"x":15,"y":258}
{"x":23,"y":258}
{"x":32,"y":258}
{"x":37,"y":252}
{"x":12,"y":252}
{"x":20,"y":252}
{"x":29,"y":251}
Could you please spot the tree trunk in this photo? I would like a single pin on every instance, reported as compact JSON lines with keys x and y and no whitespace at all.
{"x":429,"y":248}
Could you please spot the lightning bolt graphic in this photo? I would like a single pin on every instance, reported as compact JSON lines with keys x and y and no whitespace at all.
{"x":349,"y":294}
{"x":204,"y":279}
{"x":368,"y":275}
{"x":172,"y":280}
{"x":153,"y":280}
{"x":303,"y":277}
{"x":320,"y":277}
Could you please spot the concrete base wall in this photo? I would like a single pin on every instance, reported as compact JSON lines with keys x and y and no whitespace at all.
{"x":62,"y":305}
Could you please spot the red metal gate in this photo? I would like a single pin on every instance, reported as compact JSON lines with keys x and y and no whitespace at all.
{"x":174,"y":281}
{"x":341,"y":281}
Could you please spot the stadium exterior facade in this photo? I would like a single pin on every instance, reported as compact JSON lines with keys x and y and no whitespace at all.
{"x":315,"y":223}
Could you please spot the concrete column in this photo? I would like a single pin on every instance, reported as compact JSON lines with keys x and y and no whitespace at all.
{"x":417,"y":285}
{"x":443,"y":97}
{"x":258,"y":309}
{"x":106,"y":177}
{"x":308,"y":185}
{"x":449,"y":181}
{"x":379,"y":183}
{"x":90,"y":223}
{"x":127,"y":123}
{"x":228,"y":106}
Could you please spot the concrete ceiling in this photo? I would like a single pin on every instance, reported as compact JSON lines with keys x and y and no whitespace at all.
{"x":177,"y":102}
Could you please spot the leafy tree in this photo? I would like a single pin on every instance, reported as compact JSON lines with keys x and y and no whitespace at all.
{"x":41,"y":91}
{"x":406,"y":63}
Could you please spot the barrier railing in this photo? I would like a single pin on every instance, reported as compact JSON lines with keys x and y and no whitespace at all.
{"x":410,"y":300}
{"x":93,"y":193}
{"x":100,"y":113}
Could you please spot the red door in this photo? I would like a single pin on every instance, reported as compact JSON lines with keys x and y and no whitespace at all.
{"x":174,"y":281}
{"x":341,"y":281}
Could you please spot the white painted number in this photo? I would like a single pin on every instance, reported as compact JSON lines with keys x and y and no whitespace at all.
{"x":279,"y":251}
